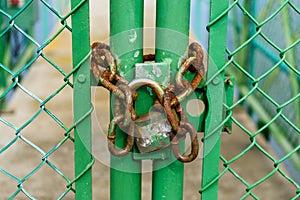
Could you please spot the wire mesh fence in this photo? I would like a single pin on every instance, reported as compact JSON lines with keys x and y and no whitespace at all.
{"x":28,"y":132}
{"x":262,"y":47}
{"x":263,"y":41}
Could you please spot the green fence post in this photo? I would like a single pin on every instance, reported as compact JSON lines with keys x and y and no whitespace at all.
{"x":215,"y":96}
{"x":126,"y":41}
{"x":172,"y":37}
{"x":82,"y":100}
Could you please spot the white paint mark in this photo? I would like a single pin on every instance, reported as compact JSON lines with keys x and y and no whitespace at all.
{"x":136,"y":54}
{"x":132,"y":36}
{"x":156,"y":71}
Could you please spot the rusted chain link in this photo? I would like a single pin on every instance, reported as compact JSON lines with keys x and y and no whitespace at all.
{"x":194,"y":64}
{"x":184,"y":128}
{"x":112,"y":137}
{"x":174,"y":111}
{"x":103,"y":65}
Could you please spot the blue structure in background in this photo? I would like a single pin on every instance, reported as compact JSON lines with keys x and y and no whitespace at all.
{"x":199,"y":20}
{"x":47,"y":20}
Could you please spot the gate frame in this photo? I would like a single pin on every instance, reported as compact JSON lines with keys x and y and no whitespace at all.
{"x":82,"y":111}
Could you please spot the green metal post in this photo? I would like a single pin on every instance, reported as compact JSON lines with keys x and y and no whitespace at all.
{"x":172,"y":37}
{"x":172,"y":31}
{"x":126,"y":41}
{"x":215,"y":96}
{"x":82,"y":100}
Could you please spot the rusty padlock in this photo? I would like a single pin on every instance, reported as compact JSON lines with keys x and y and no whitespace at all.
{"x":152,"y":130}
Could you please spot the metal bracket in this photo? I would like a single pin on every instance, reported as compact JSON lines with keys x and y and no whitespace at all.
{"x":159,"y":72}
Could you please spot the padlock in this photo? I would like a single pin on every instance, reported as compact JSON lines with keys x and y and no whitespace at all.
{"x":152,"y":132}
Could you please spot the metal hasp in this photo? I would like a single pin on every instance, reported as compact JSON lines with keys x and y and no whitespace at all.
{"x":126,"y":42}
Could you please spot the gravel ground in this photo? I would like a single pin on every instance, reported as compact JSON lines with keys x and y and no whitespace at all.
{"x":42,"y":80}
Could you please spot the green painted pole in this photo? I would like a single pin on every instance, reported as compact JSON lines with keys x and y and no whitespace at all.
{"x":172,"y":37}
{"x":126,"y":41}
{"x":82,"y":100}
{"x":215,"y":96}
{"x":172,"y":31}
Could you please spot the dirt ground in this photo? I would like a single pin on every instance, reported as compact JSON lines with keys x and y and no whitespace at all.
{"x":42,"y":80}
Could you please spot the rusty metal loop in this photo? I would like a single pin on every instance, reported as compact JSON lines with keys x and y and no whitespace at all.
{"x":112,"y":137}
{"x":105,"y":82}
{"x":103,"y":58}
{"x":137,"y":83}
{"x":194,"y":143}
{"x":193,"y":63}
{"x":183,"y":94}
{"x":128,"y":110}
{"x":175,"y":113}
{"x":172,"y":117}
{"x":102,"y":55}
{"x":100,"y":45}
{"x":195,"y":50}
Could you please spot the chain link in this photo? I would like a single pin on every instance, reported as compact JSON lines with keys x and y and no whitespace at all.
{"x":104,"y":68}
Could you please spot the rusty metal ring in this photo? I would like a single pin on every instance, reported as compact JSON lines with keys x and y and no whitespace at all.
{"x":183,"y":94}
{"x":171,"y":116}
{"x":174,"y":112}
{"x":182,"y":70}
{"x":137,"y":83}
{"x":195,"y":145}
{"x":102,"y":56}
{"x":112,"y":136}
{"x":195,"y":50}
{"x":105,"y":82}
{"x":193,"y":63}
{"x":100,"y":50}
{"x":129,"y":113}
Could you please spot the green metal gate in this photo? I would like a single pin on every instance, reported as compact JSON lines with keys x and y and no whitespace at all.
{"x":237,"y":43}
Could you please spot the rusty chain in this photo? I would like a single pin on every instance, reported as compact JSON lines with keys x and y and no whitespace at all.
{"x":104,"y":68}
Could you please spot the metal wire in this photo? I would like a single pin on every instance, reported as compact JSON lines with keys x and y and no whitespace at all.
{"x":12,"y":75}
{"x":261,"y":61}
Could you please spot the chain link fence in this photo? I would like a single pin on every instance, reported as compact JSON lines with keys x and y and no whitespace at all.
{"x":30,"y":126}
{"x":262,"y":47}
